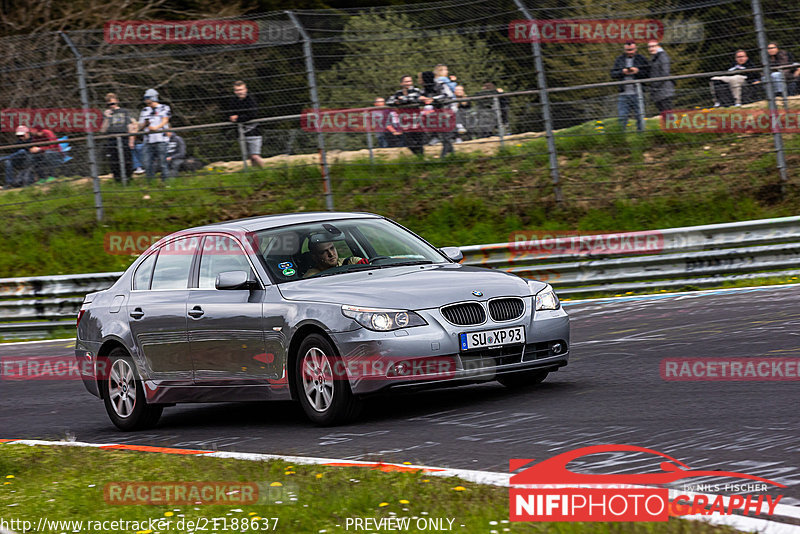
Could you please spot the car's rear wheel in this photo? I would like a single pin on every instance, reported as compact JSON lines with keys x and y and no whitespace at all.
{"x":322,"y":385}
{"x":522,"y":379}
{"x":123,"y":394}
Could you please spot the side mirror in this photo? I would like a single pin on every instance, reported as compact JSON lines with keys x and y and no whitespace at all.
{"x":235,"y":280}
{"x":454,"y":253}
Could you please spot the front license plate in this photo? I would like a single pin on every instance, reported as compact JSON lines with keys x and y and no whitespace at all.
{"x":493,"y":338}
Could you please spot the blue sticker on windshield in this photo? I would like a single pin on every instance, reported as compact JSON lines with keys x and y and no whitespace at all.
{"x":288,"y":272}
{"x":285,"y":265}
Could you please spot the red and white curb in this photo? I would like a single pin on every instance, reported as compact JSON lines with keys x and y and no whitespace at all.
{"x":746,"y":524}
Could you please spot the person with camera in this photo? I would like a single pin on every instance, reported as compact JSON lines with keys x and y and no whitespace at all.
{"x":630,"y":66}
{"x":117,"y":120}
{"x":154,"y":119}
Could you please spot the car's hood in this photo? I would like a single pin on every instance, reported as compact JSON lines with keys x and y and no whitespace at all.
{"x":411,"y":288}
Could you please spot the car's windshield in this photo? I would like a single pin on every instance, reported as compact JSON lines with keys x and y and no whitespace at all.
{"x":334,"y":247}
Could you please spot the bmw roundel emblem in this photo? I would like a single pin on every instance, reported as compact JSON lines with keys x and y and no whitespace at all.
{"x":477,"y":293}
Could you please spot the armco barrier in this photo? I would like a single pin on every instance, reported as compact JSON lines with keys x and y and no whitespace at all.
{"x":692,"y":256}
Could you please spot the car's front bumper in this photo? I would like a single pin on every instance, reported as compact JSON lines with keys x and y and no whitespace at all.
{"x":431,"y":356}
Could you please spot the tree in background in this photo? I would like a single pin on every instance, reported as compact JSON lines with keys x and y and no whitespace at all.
{"x":378,"y":48}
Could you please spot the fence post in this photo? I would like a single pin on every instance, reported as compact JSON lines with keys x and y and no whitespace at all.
{"x":777,"y":137}
{"x":369,"y":147}
{"x":499,"y":117}
{"x":640,"y":107}
{"x":121,"y":160}
{"x":312,"y":87}
{"x":242,"y":145}
{"x":544,"y":97}
{"x":98,"y":198}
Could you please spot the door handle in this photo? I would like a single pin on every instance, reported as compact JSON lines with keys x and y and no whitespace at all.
{"x":196,"y":312}
{"x":137,"y":313}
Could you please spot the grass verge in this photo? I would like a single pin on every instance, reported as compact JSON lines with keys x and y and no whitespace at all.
{"x":67,"y":484}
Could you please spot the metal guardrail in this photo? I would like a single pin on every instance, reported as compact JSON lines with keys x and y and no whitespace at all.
{"x":674,"y":258}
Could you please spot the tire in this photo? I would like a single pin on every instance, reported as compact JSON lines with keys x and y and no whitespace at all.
{"x":123,"y":394}
{"x":322,"y":385}
{"x":522,"y":379}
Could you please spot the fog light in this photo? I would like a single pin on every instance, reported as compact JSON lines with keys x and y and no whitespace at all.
{"x":556,"y":348}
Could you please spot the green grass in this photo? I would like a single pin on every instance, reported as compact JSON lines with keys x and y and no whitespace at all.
{"x":67,"y":484}
{"x":610,"y":182}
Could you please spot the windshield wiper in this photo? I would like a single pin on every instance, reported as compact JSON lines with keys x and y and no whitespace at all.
{"x":407,"y":262}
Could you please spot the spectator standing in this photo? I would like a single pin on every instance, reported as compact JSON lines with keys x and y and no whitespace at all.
{"x":154,"y":119}
{"x":45,"y":157}
{"x":409,"y":96}
{"x":438,"y":96}
{"x":630,"y":66}
{"x":731,"y":89}
{"x":118,"y":120}
{"x":176,"y":153}
{"x":660,"y":92}
{"x":780,"y":77}
{"x":388,"y":123}
{"x":462,"y":109}
{"x":240,"y":108}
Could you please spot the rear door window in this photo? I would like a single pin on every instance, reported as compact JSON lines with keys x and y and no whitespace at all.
{"x":174,"y":263}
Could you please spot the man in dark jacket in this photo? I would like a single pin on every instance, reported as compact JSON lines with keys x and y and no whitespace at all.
{"x":176,"y":153}
{"x":660,"y":92}
{"x":242,"y":107}
{"x":409,"y":96}
{"x":630,"y":66}
{"x":736,"y":88}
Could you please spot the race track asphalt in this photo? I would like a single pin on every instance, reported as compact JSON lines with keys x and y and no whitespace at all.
{"x":611,"y":392}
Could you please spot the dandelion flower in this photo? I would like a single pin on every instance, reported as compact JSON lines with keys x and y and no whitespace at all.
{"x":169,"y":514}
{"x":319,"y":475}
{"x":403,"y":501}
{"x":276,"y":485}
{"x":459,"y":488}
{"x":383,"y":504}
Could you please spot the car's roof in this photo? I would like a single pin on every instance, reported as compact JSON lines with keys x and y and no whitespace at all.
{"x":264,"y":222}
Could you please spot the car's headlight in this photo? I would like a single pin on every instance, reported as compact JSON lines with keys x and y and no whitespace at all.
{"x":383,"y":320}
{"x":546,"y":299}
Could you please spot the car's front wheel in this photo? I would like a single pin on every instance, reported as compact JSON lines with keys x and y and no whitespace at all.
{"x":322,"y":385}
{"x":522,"y":379}
{"x":123,"y":394}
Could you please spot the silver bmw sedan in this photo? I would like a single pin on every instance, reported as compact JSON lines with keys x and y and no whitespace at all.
{"x":322,"y":308}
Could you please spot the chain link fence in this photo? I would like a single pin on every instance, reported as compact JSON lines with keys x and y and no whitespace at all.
{"x":538,"y":136}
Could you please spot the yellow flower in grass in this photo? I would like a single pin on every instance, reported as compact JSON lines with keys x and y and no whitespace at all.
{"x":403,"y":501}
{"x":168,"y":514}
{"x":276,"y":484}
{"x":319,"y":475}
{"x":459,"y":488}
{"x":381,"y":505}
{"x":10,"y":476}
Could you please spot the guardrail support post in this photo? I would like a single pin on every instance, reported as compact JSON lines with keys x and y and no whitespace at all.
{"x":777,"y":137}
{"x":98,"y":198}
{"x":546,"y":112}
{"x":312,"y":87}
